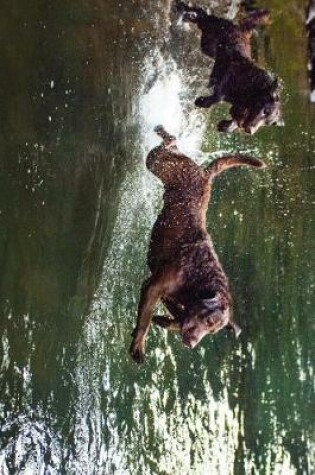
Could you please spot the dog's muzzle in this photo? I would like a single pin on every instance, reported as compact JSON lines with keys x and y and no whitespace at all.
{"x":188,"y":341}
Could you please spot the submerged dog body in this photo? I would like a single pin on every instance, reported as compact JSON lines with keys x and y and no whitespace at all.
{"x":235,"y":78}
{"x":186,"y":274}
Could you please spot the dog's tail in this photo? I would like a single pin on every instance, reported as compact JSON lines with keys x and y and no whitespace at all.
{"x":229,"y":161}
{"x":167,"y":138}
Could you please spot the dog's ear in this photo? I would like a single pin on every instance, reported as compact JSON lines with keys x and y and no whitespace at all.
{"x":166,"y":323}
{"x":237,"y":330}
{"x":280,"y":122}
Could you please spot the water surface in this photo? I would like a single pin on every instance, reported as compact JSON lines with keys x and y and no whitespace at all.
{"x":83,"y":84}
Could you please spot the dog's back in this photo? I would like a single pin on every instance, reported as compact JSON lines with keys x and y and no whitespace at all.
{"x":186,"y":195}
{"x":187,"y":191}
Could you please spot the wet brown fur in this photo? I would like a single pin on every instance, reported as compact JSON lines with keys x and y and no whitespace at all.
{"x":186,"y":274}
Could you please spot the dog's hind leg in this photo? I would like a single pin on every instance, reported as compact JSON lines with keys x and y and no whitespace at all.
{"x":169,"y":140}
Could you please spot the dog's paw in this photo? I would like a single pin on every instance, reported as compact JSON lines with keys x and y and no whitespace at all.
{"x":227,"y":126}
{"x":137,"y":354}
{"x":161,"y":321}
{"x":204,"y":101}
{"x":137,"y":349}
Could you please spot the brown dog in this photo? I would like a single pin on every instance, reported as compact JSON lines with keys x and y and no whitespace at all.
{"x":186,"y":274}
{"x":235,"y":78}
{"x":310,"y":25}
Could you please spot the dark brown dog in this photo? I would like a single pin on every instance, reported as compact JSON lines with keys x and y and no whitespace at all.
{"x":186,"y":274}
{"x":235,"y":78}
{"x":310,"y":25}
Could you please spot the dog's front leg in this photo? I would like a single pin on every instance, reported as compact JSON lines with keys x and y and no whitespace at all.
{"x":167,"y":323}
{"x":207,"y":101}
{"x":151,"y":291}
{"x":227,"y":126}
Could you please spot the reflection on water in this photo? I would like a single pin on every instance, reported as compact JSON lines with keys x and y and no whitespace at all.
{"x":82,"y":87}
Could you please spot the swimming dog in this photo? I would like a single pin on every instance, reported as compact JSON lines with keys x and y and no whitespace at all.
{"x":186,"y":275}
{"x":235,"y":78}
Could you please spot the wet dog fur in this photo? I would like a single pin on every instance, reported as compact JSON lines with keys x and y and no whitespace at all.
{"x":310,"y":25}
{"x":235,"y":78}
{"x":186,"y":275}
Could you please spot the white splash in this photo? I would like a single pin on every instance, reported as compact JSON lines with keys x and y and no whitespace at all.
{"x":164,"y":104}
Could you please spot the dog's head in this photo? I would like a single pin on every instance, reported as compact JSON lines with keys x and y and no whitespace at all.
{"x":202,"y":318}
{"x":188,"y":13}
{"x":262,"y":110}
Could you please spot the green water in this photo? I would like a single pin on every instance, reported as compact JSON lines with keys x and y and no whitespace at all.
{"x":82,"y":86}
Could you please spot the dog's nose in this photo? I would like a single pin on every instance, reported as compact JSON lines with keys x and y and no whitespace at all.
{"x":188,"y":342}
{"x":249,"y":130}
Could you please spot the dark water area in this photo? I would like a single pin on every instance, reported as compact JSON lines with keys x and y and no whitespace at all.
{"x":82,"y":86}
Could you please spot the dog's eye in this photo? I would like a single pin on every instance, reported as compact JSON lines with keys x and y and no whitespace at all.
{"x":209,"y":322}
{"x":266,"y":111}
